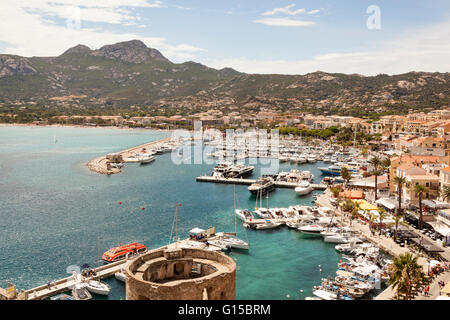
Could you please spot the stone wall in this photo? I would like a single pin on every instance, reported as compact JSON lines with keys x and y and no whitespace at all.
{"x":219,"y":285}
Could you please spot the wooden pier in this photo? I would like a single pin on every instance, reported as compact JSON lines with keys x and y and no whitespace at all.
{"x":278,"y":184}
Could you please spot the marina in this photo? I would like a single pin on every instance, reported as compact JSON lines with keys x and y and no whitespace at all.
{"x":278,"y":184}
{"x":285,"y":218}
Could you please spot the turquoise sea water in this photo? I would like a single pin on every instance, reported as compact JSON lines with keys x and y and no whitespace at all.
{"x":53,"y":210}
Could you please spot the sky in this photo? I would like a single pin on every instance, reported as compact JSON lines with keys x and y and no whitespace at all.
{"x":253,"y":36}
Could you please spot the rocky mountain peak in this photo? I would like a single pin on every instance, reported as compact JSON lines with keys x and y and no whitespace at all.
{"x":134,"y":51}
{"x":78,"y":49}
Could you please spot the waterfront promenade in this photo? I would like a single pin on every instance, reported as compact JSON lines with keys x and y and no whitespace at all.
{"x":389,"y":246}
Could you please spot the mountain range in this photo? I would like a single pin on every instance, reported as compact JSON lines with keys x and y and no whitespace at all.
{"x":130,"y":73}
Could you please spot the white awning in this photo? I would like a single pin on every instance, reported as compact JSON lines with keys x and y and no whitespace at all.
{"x":388,"y":203}
{"x":440,"y":228}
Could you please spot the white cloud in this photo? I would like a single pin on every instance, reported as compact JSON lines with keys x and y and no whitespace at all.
{"x":38,"y":33}
{"x":418,"y":50}
{"x":284,"y":22}
{"x":114,"y":11}
{"x":284,"y":10}
{"x":314,"y":11}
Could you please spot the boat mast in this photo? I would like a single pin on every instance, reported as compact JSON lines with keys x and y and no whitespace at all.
{"x":176,"y":227}
{"x":235,"y":221}
{"x":98,"y":251}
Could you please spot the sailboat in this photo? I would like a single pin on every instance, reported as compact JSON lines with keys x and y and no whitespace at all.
{"x":231,"y":238}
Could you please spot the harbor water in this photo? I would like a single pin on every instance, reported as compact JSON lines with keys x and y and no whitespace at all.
{"x":56,"y":213}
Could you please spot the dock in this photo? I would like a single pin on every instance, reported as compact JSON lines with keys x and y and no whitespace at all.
{"x":66,"y":284}
{"x":278,"y":184}
{"x":99,"y":165}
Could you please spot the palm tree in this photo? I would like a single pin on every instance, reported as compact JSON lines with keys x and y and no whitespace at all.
{"x":445,"y":192}
{"x":420,"y":189}
{"x":346,"y":175}
{"x":404,"y":273}
{"x":335,"y":191}
{"x":400,"y":181}
{"x":383,"y":214}
{"x":375,"y":162}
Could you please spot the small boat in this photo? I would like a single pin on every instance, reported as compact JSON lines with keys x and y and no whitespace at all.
{"x":313,"y":229}
{"x":262,"y":186}
{"x":80,"y":292}
{"x":97,"y":287}
{"x":244,"y":214}
{"x":325,"y":295}
{"x":311,"y":159}
{"x":268,"y":224}
{"x":146,"y":159}
{"x":304,"y":188}
{"x":63,"y":297}
{"x":236,"y":243}
{"x":121,"y":276}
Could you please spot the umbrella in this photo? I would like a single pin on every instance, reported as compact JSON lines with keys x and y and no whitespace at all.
{"x":434,"y":263}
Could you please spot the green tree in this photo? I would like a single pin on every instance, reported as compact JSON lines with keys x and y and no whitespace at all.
{"x":399,"y":181}
{"x":376,"y":163}
{"x":420,"y":189}
{"x":346,"y":175}
{"x":445,"y":192}
{"x":404,"y":273}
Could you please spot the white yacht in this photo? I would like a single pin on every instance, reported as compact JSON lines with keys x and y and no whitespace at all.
{"x":120,"y":275}
{"x":307,"y":176}
{"x":263,"y":213}
{"x":268,"y":224}
{"x":304,"y":188}
{"x":311,"y":159}
{"x":312,"y":229}
{"x":235,"y":243}
{"x":146,"y":159}
{"x":244,"y":214}
{"x":302,"y":159}
{"x":80,"y":292}
{"x":262,"y":186}
{"x":97,"y":287}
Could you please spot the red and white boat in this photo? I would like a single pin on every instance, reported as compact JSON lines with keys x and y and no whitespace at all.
{"x":123,"y":251}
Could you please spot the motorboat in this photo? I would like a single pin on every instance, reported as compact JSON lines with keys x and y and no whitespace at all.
{"x":120,"y":275}
{"x":263,"y":213}
{"x":293,"y":224}
{"x":304,"y":188}
{"x":307,"y":176}
{"x":313,"y":229}
{"x":262,"y":186}
{"x":325,"y":295}
{"x":146,"y":159}
{"x":239,"y":170}
{"x":333,"y":170}
{"x":268,"y":224}
{"x":63,"y":297}
{"x":123,"y":251}
{"x":335,"y":238}
{"x":311,"y":159}
{"x":302,"y":159}
{"x":97,"y":287}
{"x":244,"y":214}
{"x":236,"y":243}
{"x":80,"y":292}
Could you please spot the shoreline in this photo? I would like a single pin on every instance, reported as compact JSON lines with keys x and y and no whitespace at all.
{"x":77,"y":126}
